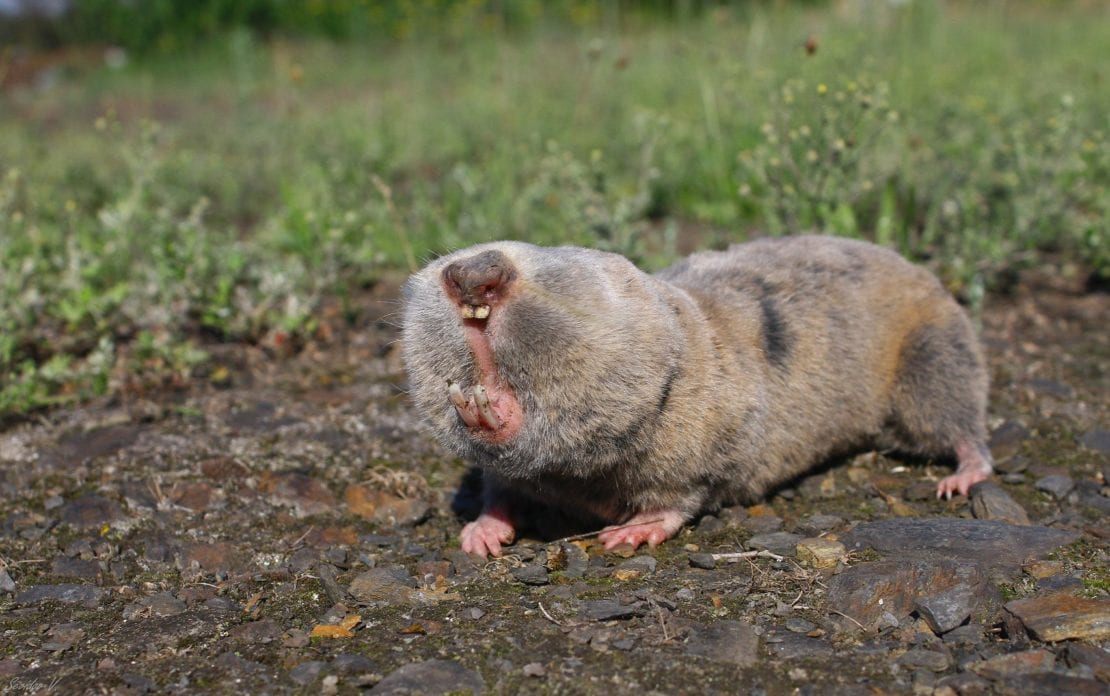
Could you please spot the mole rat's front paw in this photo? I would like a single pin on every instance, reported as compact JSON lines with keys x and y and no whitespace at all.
{"x":485,"y":535}
{"x":652,"y":528}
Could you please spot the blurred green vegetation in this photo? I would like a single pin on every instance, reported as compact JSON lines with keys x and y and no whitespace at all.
{"x":228,"y":190}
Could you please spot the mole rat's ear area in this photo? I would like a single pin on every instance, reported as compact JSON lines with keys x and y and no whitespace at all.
{"x":478,"y":283}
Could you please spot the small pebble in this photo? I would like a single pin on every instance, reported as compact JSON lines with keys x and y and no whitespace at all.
{"x":703,"y":560}
{"x":1058,"y":485}
{"x":534,"y":669}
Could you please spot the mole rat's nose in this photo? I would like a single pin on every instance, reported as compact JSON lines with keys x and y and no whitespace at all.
{"x":481,"y":279}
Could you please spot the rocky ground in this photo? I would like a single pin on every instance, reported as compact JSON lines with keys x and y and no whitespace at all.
{"x":283,"y":525}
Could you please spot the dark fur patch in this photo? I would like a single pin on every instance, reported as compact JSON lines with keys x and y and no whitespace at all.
{"x":627,"y":439}
{"x":776,"y":335}
{"x":665,"y":393}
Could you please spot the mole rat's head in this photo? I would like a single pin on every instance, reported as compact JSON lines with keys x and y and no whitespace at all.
{"x":524,"y":358}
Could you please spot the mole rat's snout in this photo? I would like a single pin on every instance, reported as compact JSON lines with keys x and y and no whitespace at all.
{"x":478,"y":282}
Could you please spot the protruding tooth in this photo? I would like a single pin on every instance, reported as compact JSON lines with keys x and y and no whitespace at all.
{"x":485,"y":410}
{"x":468,"y":311}
{"x":454,"y":392}
{"x":481,"y":312}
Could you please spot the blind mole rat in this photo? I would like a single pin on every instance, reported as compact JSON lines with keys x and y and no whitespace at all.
{"x":573,"y":378}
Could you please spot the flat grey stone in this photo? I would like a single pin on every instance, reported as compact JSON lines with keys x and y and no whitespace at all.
{"x":345,"y":663}
{"x":1097,"y":440}
{"x":431,"y":677}
{"x":66,"y":593}
{"x":307,"y":672}
{"x":531,"y":575}
{"x":1013,"y":465}
{"x":919,"y":658}
{"x":1049,"y":684}
{"x":984,"y":542}
{"x":782,"y":543}
{"x":762,"y":524}
{"x":703,"y":560}
{"x":1050,"y":387}
{"x":799,"y":625}
{"x":794,"y":646}
{"x":90,"y":512}
{"x":609,"y":610}
{"x":971,"y":634}
{"x":814,"y":525}
{"x":734,"y":642}
{"x":990,"y":502}
{"x":948,"y":609}
{"x":63,"y":566}
{"x":645,"y":565}
{"x":1058,"y":485}
{"x":163,"y":604}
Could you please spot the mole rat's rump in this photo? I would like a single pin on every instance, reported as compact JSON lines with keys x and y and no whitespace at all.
{"x":572,"y":378}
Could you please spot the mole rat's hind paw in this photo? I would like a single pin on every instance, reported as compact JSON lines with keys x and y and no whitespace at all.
{"x":485,"y":535}
{"x":974,"y":466}
{"x":652,"y":528}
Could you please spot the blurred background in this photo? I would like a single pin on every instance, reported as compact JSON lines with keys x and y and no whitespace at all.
{"x":179,"y":173}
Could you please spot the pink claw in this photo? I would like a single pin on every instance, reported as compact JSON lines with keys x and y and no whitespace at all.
{"x":974,"y":466}
{"x":652,"y":528}
{"x":485,"y":535}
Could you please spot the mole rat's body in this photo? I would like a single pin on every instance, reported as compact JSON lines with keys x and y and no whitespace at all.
{"x":573,"y":378}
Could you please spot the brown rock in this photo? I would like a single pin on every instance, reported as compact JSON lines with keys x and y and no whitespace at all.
{"x":1047,"y":684}
{"x":1061,"y":616}
{"x":223,"y":469}
{"x":1043,"y":569}
{"x":324,"y":537}
{"x":866,"y":591}
{"x":393,"y":587}
{"x":63,"y":566}
{"x":90,"y":512}
{"x":382,"y":507}
{"x":1024,"y":662}
{"x":820,"y":553}
{"x":990,"y":502}
{"x":214,"y":557}
{"x":264,"y":631}
{"x":1095,"y":658}
{"x":192,"y":496}
{"x":305,"y":494}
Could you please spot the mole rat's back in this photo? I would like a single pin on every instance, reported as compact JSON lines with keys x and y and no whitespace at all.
{"x":847,"y":331}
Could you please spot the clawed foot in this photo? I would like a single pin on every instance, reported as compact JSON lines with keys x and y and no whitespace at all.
{"x":974,"y":466}
{"x":485,"y":535}
{"x":652,"y":528}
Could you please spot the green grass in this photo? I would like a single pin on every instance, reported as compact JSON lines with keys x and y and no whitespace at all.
{"x":225,"y":193}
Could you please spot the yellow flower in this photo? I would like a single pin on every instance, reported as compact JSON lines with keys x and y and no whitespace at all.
{"x":71,"y":205}
{"x":822,"y":88}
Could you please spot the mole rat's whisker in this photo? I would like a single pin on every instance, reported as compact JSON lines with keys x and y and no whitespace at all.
{"x":484,"y":408}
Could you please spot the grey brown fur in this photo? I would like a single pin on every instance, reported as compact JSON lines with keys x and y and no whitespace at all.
{"x":712,"y":381}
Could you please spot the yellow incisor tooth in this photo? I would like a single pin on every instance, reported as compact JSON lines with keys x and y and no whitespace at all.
{"x":481,"y":312}
{"x":468,"y":311}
